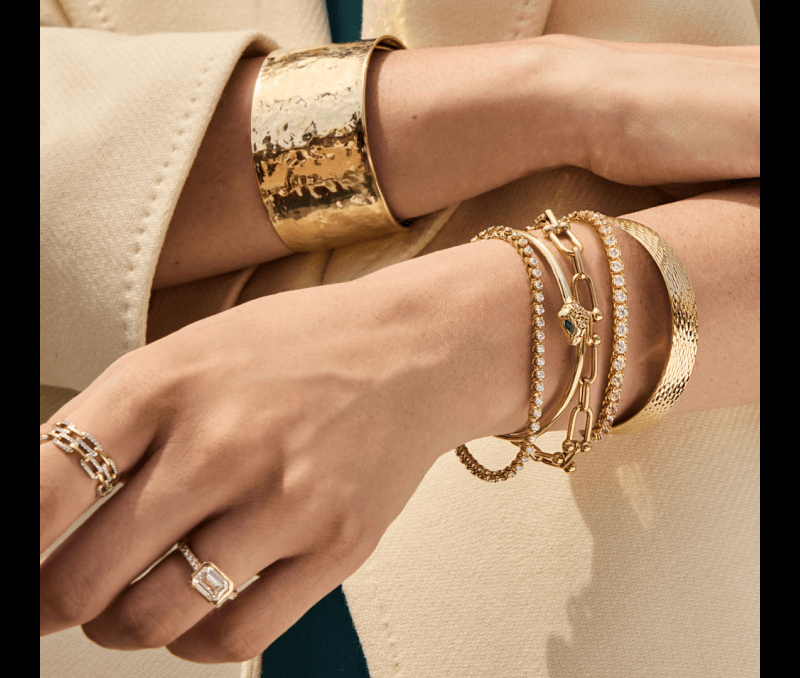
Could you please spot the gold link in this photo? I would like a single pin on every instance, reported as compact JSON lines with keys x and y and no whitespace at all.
{"x":576,"y":248}
{"x":584,"y":394}
{"x":573,"y":417}
{"x":594,"y":359}
{"x":578,"y":254}
{"x":547,"y":220}
{"x":581,"y":276}
{"x":77,"y":448}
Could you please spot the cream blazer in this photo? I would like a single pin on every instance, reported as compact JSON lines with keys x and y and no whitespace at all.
{"x":646,"y":563}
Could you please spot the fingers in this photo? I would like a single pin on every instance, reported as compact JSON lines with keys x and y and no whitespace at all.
{"x":163,"y":605}
{"x":266,"y":609}
{"x":744,"y":53}
{"x":134,"y":528}
{"x":120,"y":410}
{"x":65,"y":488}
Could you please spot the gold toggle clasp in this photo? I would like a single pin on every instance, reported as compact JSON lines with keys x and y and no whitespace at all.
{"x":577,"y":445}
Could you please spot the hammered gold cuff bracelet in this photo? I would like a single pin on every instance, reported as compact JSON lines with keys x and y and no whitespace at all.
{"x":310,"y":147}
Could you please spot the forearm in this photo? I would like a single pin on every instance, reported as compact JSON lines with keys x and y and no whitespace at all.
{"x":465,"y":312}
{"x":449,"y":123}
{"x":446,"y":124}
{"x":424,"y":109}
{"x":220,"y":223}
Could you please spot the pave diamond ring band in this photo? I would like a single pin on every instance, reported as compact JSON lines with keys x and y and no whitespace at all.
{"x":97,"y":465}
{"x":208,"y":579}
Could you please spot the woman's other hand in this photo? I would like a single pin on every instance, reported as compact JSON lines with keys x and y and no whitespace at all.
{"x":280,"y":438}
{"x":449,"y":123}
{"x":665,"y":113}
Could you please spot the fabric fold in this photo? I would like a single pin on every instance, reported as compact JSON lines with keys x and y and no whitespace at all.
{"x":121,"y":120}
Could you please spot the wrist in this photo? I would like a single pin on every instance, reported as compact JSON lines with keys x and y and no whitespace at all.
{"x":449,"y":123}
{"x":560,"y":83}
{"x":592,"y":105}
{"x":458,"y":321}
{"x":220,"y":224}
{"x":456,"y":324}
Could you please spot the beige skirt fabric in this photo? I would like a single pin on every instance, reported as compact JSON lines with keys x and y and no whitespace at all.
{"x":644,"y":563}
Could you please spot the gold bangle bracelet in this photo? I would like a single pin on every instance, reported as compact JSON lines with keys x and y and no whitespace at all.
{"x":310,"y":146}
{"x":683,"y":350}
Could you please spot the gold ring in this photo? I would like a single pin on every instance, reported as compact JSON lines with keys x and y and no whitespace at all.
{"x":97,"y":465}
{"x":208,"y":580}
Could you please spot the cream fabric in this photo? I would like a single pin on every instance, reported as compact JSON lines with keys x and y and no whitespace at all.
{"x":643,"y":564}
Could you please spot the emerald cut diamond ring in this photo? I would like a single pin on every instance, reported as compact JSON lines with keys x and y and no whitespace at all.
{"x":208,"y":579}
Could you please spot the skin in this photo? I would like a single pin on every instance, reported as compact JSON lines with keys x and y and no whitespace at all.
{"x":425,"y":106}
{"x":283,"y":436}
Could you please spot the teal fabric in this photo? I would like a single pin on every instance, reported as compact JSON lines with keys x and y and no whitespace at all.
{"x":344,"y":19}
{"x":322,"y":644}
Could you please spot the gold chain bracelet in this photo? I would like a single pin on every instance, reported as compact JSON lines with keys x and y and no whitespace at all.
{"x":602,"y":225}
{"x":576,"y":323}
{"x":553,"y":228}
{"x":578,"y":326}
{"x":523,"y":247}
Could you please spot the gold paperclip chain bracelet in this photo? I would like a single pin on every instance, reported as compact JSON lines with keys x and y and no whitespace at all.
{"x":553,"y":228}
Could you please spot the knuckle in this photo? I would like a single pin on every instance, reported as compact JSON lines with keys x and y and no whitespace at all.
{"x":67,"y":599}
{"x":344,"y":534}
{"x":350,"y":530}
{"x":238,"y":643}
{"x":210,"y":454}
{"x":328,"y":517}
{"x":144,"y":627}
{"x":136,"y":381}
{"x":337,"y":521}
{"x":231,"y":643}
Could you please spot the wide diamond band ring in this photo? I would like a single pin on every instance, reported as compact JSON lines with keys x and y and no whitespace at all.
{"x":208,"y":579}
{"x":97,"y":465}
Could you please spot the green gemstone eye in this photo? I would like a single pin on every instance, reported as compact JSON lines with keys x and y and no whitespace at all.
{"x":569,"y":327}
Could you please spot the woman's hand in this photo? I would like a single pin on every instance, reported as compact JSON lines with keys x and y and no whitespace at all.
{"x":665,"y":113}
{"x":280,"y":438}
